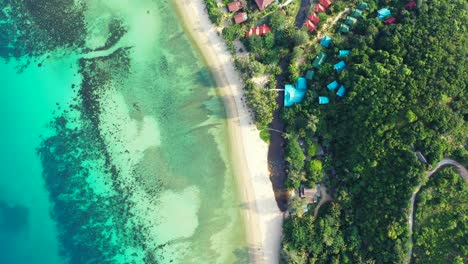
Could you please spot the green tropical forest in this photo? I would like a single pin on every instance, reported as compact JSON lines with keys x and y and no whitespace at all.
{"x":406,"y":92}
{"x":441,"y":220}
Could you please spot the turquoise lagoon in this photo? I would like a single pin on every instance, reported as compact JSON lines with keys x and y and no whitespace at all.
{"x":117,"y":155}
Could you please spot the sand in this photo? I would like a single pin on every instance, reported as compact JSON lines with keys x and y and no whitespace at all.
{"x":249,"y":153}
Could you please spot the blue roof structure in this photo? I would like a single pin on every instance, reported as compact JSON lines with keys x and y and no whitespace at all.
{"x":323,"y":100}
{"x":341,"y":92}
{"x":292,"y":95}
{"x":301,"y":83}
{"x":383,"y":13}
{"x":343,"y":53}
{"x":326,"y":41}
{"x":333,"y":85}
{"x":340,"y":66}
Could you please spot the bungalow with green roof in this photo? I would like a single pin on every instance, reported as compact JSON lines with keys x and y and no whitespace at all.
{"x":310,"y":74}
{"x":341,"y":92}
{"x":343,"y":53}
{"x":350,"y":21}
{"x":356,"y":13}
{"x":333,"y":85}
{"x":340,"y":66}
{"x":326,"y":41}
{"x":320,"y":59}
{"x":344,"y":29}
{"x":323,"y":100}
{"x":362,"y":6}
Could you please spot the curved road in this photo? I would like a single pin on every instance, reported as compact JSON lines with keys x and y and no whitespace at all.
{"x":445,"y":162}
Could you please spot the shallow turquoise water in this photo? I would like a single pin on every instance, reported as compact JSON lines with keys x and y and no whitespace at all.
{"x":130,"y":165}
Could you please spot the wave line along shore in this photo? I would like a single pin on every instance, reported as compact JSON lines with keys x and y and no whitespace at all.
{"x":248,"y":152}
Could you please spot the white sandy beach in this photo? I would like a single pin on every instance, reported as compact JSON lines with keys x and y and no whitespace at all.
{"x":249,"y":152}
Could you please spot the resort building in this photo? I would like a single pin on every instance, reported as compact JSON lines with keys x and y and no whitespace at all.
{"x":319,"y":59}
{"x":323,"y":100}
{"x":344,"y":28}
{"x":326,"y":41}
{"x":262,"y":4}
{"x":362,"y":6}
{"x":350,"y":21}
{"x":356,"y":13}
{"x":234,"y":6}
{"x":314,"y":18}
{"x":240,"y":18}
{"x":325,"y":3}
{"x":340,"y":66}
{"x":332,"y":86}
{"x":343,"y":53}
{"x":292,"y":95}
{"x":410,"y":5}
{"x":320,"y":9}
{"x":310,"y":26}
{"x":301,"y":83}
{"x":310,"y":74}
{"x":259,"y":31}
{"x":341,"y":92}
{"x":390,"y":21}
{"x":383,"y":13}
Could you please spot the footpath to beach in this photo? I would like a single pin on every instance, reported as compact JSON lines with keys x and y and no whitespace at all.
{"x":249,"y":153}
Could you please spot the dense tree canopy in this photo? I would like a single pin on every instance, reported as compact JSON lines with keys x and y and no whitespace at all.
{"x":406,"y":91}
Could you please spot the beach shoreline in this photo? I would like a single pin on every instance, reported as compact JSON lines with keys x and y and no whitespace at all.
{"x":248,"y":152}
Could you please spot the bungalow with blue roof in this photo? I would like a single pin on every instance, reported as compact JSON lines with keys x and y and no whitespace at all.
{"x":301,"y":83}
{"x":323,"y":100}
{"x":326,"y":41}
{"x":340,"y":66}
{"x":341,"y":92}
{"x":383,"y":13}
{"x":343,"y":53}
{"x":333,"y":85}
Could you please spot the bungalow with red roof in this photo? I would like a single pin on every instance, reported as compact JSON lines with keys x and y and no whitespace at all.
{"x":314,"y":18}
{"x":262,"y":4}
{"x":241,"y":17}
{"x":259,"y":31}
{"x":410,"y":5}
{"x":234,"y":6}
{"x":390,"y":21}
{"x":325,"y":3}
{"x":309,"y":25}
{"x":320,"y":9}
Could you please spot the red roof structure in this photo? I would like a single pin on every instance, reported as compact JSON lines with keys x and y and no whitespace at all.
{"x":262,"y":4}
{"x":241,"y":17}
{"x":234,"y":6}
{"x":259,"y":31}
{"x":314,"y":18}
{"x":310,"y":26}
{"x":325,"y":3}
{"x":320,"y":9}
{"x":390,"y":21}
{"x":410,"y":5}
